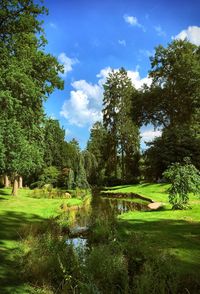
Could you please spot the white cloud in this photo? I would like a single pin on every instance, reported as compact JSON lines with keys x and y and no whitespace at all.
{"x":84,"y":105}
{"x":67,"y":62}
{"x":133,"y":21}
{"x":192,"y":34}
{"x":67,"y":132}
{"x":137,"y":81}
{"x":122,"y":42}
{"x":160,"y":31}
{"x":53,"y":25}
{"x":149,"y":135}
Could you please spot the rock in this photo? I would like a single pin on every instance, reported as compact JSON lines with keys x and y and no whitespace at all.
{"x":67,"y":195}
{"x":77,"y":231}
{"x":155,"y":205}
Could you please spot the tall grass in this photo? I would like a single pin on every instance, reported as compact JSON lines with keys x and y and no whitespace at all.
{"x":108,"y":265}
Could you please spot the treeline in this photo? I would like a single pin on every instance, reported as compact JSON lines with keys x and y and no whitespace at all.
{"x":34,"y":147}
{"x":171,"y":103}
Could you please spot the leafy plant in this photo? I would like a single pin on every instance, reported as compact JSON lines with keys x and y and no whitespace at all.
{"x":184,"y":178}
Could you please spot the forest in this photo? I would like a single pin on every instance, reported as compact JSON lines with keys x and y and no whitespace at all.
{"x":41,"y":170}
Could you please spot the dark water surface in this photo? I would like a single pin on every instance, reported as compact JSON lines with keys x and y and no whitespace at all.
{"x":99,"y":208}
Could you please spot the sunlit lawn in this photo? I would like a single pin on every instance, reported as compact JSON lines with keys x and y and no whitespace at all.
{"x":174,"y":231}
{"x":15,"y":212}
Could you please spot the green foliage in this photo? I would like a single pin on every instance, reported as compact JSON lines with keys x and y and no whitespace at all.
{"x":27,"y":76}
{"x":54,"y":150}
{"x":70,"y":180}
{"x":49,"y":175}
{"x":158,"y":276}
{"x":97,"y":148}
{"x":171,"y":87}
{"x":107,"y":269}
{"x":184,"y":179}
{"x":173,"y":146}
{"x":172,"y":102}
{"x":19,"y":156}
{"x":122,"y":142}
{"x":81,"y":178}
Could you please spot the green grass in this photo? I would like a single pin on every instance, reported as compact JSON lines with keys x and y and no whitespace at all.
{"x":15,"y":212}
{"x":175,"y":231}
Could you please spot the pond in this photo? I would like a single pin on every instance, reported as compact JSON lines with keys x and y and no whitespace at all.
{"x":101,"y":208}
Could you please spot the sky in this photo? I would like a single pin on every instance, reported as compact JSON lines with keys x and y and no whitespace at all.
{"x":91,"y":37}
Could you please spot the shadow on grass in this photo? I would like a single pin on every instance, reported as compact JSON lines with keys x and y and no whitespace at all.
{"x":176,"y":236}
{"x":117,"y":188}
{"x":10,"y":225}
{"x":4,"y":192}
{"x":3,"y":198}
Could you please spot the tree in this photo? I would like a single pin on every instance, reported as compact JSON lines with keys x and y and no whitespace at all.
{"x":173,"y":98}
{"x":90,"y":166}
{"x":184,"y":179}
{"x":81,"y":178}
{"x":173,"y":146}
{"x":27,"y":76}
{"x":172,"y":102}
{"x":49,"y":176}
{"x":54,"y":137}
{"x":123,"y":133}
{"x":19,"y":156}
{"x":96,"y":146}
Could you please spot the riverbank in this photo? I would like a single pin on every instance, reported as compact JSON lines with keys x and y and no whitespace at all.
{"x":15,"y":214}
{"x":174,"y":231}
{"x":140,"y":241}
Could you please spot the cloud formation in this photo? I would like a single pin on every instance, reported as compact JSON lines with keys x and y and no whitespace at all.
{"x":150,"y":135}
{"x":53,"y":25}
{"x":67,"y":63}
{"x":83,"y":108}
{"x":122,"y":42}
{"x":160,"y":32}
{"x":192,"y":34}
{"x":133,"y":21}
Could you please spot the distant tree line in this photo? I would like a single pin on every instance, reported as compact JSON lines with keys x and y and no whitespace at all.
{"x":171,"y":103}
{"x":33,"y":146}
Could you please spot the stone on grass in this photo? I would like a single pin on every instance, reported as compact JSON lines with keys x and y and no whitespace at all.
{"x":155,"y":205}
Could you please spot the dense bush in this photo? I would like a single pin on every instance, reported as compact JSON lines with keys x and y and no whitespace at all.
{"x":184,"y":178}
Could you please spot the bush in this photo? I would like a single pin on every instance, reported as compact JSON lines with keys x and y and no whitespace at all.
{"x":184,"y":179}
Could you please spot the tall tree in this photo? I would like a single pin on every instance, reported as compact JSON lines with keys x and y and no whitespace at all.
{"x":27,"y":76}
{"x":174,"y":95}
{"x":54,"y":138}
{"x":97,"y":146}
{"x":172,"y":101}
{"x":123,"y":133}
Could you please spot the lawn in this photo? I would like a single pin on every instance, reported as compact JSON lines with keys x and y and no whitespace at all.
{"x":15,"y":212}
{"x":173,"y":231}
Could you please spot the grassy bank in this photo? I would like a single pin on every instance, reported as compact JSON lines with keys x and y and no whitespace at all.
{"x":15,"y":213}
{"x":174,"y":231}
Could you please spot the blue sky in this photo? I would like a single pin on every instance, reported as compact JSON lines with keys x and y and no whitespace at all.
{"x":91,"y":37}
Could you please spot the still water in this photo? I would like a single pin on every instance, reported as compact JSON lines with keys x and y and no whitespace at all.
{"x":99,"y":208}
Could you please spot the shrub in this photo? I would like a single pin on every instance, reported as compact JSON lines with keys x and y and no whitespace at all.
{"x":184,"y":179}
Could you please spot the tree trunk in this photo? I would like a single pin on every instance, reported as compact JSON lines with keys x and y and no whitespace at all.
{"x":20,"y":182}
{"x":15,"y":186}
{"x":123,"y":163}
{"x":6,"y":181}
{"x":2,"y":180}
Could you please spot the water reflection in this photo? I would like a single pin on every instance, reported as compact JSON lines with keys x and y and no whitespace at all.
{"x":100,"y":207}
{"x":77,"y":242}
